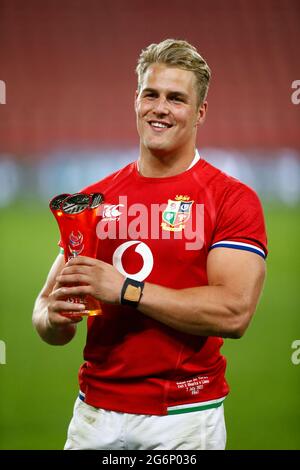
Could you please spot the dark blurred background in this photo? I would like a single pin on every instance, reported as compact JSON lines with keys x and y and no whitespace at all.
{"x":67,"y":119}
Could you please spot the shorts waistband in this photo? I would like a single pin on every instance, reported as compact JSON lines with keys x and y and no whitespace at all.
{"x":186,"y":408}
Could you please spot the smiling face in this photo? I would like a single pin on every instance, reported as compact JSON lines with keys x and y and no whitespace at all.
{"x":167,"y":111}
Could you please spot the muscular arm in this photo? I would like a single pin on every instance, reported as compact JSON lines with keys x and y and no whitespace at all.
{"x":223,"y":308}
{"x":50,"y":325}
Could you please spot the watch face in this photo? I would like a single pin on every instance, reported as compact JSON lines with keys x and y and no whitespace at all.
{"x":132,"y":293}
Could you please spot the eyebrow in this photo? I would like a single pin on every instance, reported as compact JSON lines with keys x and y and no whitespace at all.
{"x":172,"y":93}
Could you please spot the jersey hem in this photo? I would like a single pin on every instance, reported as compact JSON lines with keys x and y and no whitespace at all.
{"x":188,"y":408}
{"x":170,"y":410}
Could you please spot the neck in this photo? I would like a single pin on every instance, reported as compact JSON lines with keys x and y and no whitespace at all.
{"x":155,"y":165}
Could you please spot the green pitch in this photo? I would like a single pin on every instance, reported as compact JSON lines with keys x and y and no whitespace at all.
{"x":38,"y":383}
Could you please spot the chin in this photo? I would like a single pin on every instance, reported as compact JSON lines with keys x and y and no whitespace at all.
{"x":159,"y":151}
{"x":158,"y":148}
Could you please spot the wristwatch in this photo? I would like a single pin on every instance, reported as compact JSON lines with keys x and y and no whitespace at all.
{"x":131,"y":292}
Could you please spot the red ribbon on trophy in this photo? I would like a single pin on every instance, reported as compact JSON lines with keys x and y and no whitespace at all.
{"x":77,"y":217}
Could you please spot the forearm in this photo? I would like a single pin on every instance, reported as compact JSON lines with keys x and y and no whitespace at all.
{"x":205,"y":311}
{"x":223,"y":308}
{"x":55,"y":335}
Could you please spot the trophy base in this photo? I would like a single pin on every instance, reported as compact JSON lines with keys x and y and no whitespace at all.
{"x":92,"y":305}
{"x":84,"y":313}
{"x":92,"y":313}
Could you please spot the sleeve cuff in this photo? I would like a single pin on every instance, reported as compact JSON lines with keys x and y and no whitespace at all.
{"x":239,"y":246}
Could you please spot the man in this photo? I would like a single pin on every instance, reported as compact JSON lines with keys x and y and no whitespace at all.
{"x":180,"y":265}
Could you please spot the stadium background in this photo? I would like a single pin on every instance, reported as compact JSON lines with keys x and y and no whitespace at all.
{"x":68,"y":120}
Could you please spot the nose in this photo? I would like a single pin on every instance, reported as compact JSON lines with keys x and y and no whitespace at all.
{"x":161,"y":106}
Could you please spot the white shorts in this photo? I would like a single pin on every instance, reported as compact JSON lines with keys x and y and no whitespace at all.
{"x":97,"y":429}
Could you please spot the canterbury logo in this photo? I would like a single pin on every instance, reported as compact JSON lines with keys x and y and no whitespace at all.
{"x":143,"y":250}
{"x":112,"y":212}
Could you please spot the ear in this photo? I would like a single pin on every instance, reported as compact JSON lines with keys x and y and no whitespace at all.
{"x":202,"y":110}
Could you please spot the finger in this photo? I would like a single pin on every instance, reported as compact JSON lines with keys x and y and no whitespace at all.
{"x":60,"y":319}
{"x":64,"y":306}
{"x":77,"y":269}
{"x":65,"y":318}
{"x":72,"y":279}
{"x":82,"y":260}
{"x":56,"y":286}
{"x":75,"y":291}
{"x":62,"y":293}
{"x":72,"y":317}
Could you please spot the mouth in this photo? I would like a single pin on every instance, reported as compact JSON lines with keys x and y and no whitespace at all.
{"x":159,"y":126}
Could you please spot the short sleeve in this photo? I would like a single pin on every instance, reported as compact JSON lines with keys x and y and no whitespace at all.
{"x":240,"y":222}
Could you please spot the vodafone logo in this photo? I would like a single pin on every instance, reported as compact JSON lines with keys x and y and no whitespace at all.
{"x":143,"y":250}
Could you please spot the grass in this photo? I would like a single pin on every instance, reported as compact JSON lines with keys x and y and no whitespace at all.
{"x":39,"y":382}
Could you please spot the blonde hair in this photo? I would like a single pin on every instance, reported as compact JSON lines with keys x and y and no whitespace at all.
{"x":180,"y":54}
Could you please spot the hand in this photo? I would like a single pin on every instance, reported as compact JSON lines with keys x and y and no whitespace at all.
{"x":95,"y":277}
{"x":57,"y":305}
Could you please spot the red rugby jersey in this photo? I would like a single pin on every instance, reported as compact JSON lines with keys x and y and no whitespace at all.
{"x":161,"y":230}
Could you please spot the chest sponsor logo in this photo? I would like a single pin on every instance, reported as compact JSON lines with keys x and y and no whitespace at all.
{"x":141,"y":249}
{"x":176,"y":214}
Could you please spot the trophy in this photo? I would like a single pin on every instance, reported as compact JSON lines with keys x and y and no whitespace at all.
{"x":77,"y":218}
